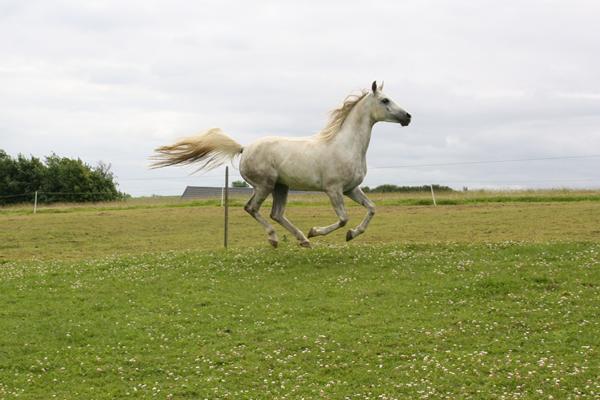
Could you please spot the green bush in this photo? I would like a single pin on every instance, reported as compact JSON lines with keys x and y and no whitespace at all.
{"x":393,"y":188}
{"x":56,"y":179}
{"x":239,"y":184}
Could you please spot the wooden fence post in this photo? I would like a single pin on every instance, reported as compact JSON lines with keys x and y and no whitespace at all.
{"x":226,"y":204}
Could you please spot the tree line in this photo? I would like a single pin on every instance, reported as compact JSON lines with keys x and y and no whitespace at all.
{"x":57,"y":179}
{"x":393,"y":188}
{"x":387,"y":188}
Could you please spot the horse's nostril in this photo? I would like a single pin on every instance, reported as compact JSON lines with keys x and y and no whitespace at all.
{"x":408,"y":116}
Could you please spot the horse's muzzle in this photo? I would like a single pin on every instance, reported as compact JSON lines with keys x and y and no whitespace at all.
{"x":405,"y":120}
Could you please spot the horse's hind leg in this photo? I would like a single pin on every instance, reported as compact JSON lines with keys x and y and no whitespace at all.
{"x":359,"y":196}
{"x":252,"y":207}
{"x":337,"y":201}
{"x":278,"y":214}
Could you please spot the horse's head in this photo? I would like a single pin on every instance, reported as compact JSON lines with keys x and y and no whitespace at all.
{"x":385,"y":109}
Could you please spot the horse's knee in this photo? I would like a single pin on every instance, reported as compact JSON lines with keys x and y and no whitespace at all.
{"x":275,"y":216}
{"x":371,"y":210}
{"x":249,"y":209}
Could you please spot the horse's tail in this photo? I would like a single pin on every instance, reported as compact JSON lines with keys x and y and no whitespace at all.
{"x":212,"y":148}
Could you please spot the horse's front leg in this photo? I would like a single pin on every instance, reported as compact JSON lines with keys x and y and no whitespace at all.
{"x":337,"y":201}
{"x":359,"y":196}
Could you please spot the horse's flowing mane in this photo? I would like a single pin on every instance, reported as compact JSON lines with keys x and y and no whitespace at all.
{"x":339,"y":115}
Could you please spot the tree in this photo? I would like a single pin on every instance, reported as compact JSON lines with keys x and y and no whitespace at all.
{"x":239,"y":184}
{"x":56,"y":178}
{"x":387,"y":188}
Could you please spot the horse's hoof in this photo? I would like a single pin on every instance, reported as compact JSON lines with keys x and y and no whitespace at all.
{"x":305,"y":244}
{"x":349,"y":236}
{"x":273,"y":243}
{"x":312,"y":232}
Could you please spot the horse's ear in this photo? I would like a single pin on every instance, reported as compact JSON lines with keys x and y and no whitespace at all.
{"x":381,"y":86}
{"x":374,"y":87}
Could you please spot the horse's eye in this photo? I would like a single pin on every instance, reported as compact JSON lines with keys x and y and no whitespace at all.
{"x":385,"y":101}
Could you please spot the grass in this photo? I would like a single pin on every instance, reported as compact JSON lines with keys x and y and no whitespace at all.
{"x":79,"y":232}
{"x":488,"y":300}
{"x":391,"y":199}
{"x":389,"y":321}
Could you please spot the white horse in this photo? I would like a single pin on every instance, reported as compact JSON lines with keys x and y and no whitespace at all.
{"x":332,"y":161}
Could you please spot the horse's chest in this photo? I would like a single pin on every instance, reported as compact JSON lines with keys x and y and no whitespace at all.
{"x":356,"y":178}
{"x":350,"y":174}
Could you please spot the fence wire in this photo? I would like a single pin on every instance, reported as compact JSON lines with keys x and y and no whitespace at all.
{"x":216,"y":175}
{"x":444,"y":164}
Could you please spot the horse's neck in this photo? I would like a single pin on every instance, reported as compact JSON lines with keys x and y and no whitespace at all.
{"x":355,"y":133}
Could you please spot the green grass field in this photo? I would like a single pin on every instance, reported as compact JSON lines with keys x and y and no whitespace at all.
{"x":491,"y":296}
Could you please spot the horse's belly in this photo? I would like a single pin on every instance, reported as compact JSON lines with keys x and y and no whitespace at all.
{"x":300,"y":180}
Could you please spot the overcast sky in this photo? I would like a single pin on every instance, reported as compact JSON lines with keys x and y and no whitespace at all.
{"x":484,"y":80}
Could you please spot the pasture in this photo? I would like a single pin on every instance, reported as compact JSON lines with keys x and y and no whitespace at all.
{"x":489,"y":295}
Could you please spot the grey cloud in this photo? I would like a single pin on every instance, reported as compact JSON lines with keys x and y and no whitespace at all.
{"x":111,"y":81}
